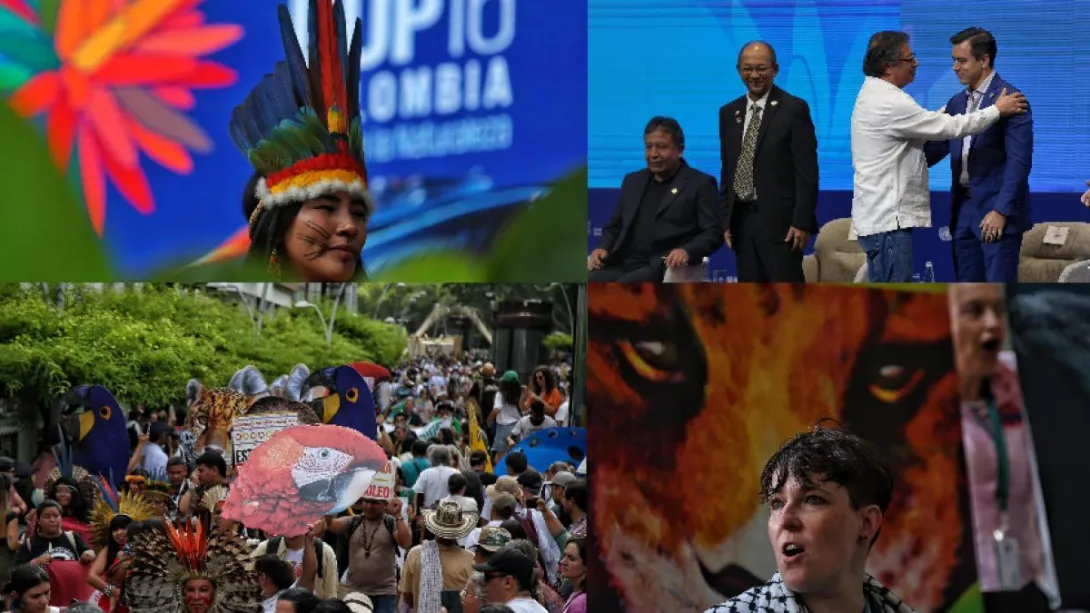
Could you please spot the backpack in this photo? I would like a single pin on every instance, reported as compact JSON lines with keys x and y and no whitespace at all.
{"x":273,"y":547}
{"x":387,"y":519}
{"x":70,"y":536}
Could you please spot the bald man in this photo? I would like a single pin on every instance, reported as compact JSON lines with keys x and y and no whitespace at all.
{"x":769,"y":187}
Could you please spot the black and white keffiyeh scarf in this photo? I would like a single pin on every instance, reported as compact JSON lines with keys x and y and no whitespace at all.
{"x":774,"y":597}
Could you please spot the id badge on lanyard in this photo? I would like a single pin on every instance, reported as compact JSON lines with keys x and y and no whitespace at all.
{"x":1007,"y":559}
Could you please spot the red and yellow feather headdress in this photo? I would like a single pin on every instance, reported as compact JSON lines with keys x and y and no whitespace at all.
{"x":301,"y":126}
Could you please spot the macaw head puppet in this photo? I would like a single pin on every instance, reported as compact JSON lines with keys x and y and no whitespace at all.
{"x":300,"y":475}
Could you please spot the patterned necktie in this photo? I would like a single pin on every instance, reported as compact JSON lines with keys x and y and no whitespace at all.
{"x":743,"y":175}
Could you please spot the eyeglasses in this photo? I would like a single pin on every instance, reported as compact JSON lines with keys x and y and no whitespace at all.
{"x":758,"y":70}
{"x":909,"y":59}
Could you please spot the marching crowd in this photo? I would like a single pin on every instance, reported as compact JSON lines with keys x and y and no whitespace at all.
{"x":455,"y":536}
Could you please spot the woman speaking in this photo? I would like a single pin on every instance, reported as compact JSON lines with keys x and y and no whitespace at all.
{"x":827,"y":491}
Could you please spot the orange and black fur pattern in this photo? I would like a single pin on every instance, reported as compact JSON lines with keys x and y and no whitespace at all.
{"x":691,"y":389}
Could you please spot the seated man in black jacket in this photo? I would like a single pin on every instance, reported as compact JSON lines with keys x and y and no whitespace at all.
{"x":668,"y":215}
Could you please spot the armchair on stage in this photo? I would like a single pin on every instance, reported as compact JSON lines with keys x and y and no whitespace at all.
{"x":838,"y":259}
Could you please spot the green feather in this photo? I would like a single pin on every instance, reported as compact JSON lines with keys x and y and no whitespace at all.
{"x":355,"y":138}
{"x":270,"y":156}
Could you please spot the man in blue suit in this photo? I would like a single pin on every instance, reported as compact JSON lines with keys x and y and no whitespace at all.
{"x":990,"y":193}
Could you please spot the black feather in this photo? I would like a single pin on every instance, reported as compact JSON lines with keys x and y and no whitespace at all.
{"x":293,"y":55}
{"x":352,"y":79}
{"x":342,"y":37}
{"x":317,"y":98}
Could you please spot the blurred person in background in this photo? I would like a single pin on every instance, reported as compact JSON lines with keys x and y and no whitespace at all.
{"x":998,"y":451}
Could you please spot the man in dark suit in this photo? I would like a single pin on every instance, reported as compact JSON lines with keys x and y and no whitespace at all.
{"x":769,"y":179}
{"x":667,"y":215}
{"x":990,"y":208}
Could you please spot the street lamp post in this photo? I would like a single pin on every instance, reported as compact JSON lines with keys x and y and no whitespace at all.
{"x":303,"y":304}
{"x":245,"y":303}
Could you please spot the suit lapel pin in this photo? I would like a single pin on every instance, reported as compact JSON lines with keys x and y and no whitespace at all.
{"x":673,"y":191}
{"x":774,"y":102}
{"x":738,"y":116}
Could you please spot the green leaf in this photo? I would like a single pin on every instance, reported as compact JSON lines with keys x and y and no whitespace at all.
{"x":46,"y":234}
{"x":48,"y":12}
{"x":436,"y":267}
{"x":548,"y":242}
{"x":970,"y":602}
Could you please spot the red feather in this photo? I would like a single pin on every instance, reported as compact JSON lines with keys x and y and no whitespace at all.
{"x":328,"y":57}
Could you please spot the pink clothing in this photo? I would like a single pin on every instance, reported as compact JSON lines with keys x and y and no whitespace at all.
{"x":577,"y":603}
{"x":983,"y":473}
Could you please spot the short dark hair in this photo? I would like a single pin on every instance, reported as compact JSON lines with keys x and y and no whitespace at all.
{"x":576,"y":491}
{"x":834,"y":455}
{"x":478,"y":457}
{"x":981,"y":42}
{"x":771,"y":50}
{"x":177,"y":461}
{"x":302,"y":599}
{"x":280,"y":572}
{"x":668,"y":125}
{"x":457,"y":482}
{"x":215,"y":460}
{"x":883,"y":52}
{"x":516,"y":461}
{"x":420,"y":447}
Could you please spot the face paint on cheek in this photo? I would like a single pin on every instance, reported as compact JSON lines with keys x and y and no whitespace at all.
{"x":318,"y":238}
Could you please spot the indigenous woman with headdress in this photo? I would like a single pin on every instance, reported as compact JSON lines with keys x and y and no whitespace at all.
{"x":73,"y":500}
{"x":308,"y":204}
{"x":112,"y":518}
{"x":191,"y":570}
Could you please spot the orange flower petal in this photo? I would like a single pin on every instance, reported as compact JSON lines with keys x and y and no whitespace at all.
{"x":132,"y":184}
{"x":191,"y":42}
{"x":76,"y":87}
{"x":130,"y":69}
{"x":234,"y":247}
{"x":60,"y":130}
{"x":71,"y":27}
{"x":210,"y":75}
{"x":177,"y":97}
{"x":37,"y":94}
{"x":97,"y":14}
{"x":166,"y":152}
{"x":94,"y":183}
{"x":110,"y":127}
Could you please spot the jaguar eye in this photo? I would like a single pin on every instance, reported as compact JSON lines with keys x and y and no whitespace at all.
{"x":652,"y":360}
{"x":893,"y":382}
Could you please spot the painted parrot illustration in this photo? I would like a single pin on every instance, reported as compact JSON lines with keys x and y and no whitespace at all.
{"x":300,"y":475}
{"x":341,"y":397}
{"x":95,"y":424}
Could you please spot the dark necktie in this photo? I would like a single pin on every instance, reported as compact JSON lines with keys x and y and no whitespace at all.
{"x":743,"y":175}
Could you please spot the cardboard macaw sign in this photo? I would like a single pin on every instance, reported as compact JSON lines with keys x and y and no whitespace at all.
{"x":301,"y":474}
{"x":382,"y":484}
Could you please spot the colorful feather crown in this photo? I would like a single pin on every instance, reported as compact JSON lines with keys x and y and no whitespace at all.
{"x":109,"y":506}
{"x":300,"y":127}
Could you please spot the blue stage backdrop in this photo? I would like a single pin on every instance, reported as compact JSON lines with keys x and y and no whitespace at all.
{"x":462,"y":99}
{"x":664,"y":57}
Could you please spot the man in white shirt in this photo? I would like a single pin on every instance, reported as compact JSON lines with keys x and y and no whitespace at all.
{"x":434,"y":483}
{"x":889,"y":130}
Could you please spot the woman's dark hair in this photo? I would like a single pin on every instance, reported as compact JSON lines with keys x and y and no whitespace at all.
{"x":267,"y":234}
{"x":511,"y":391}
{"x":581,"y":547}
{"x":576,"y":491}
{"x":119,"y":522}
{"x":550,"y":380}
{"x":25,"y":577}
{"x":303,"y":600}
{"x":77,"y":508}
{"x":446,"y":436}
{"x":883,"y":52}
{"x":831,"y":455}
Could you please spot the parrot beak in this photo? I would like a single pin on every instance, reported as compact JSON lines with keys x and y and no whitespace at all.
{"x":341,"y":491}
{"x":330,"y":406}
{"x":77,"y":427}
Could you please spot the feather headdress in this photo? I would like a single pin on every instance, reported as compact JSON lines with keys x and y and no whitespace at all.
{"x":300,"y":127}
{"x":166,"y":559}
{"x":110,"y":504}
{"x":67,"y":470}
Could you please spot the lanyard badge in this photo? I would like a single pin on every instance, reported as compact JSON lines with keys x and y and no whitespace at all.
{"x":1007,"y":559}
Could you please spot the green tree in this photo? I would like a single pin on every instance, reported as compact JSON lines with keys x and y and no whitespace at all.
{"x":146,"y":343}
